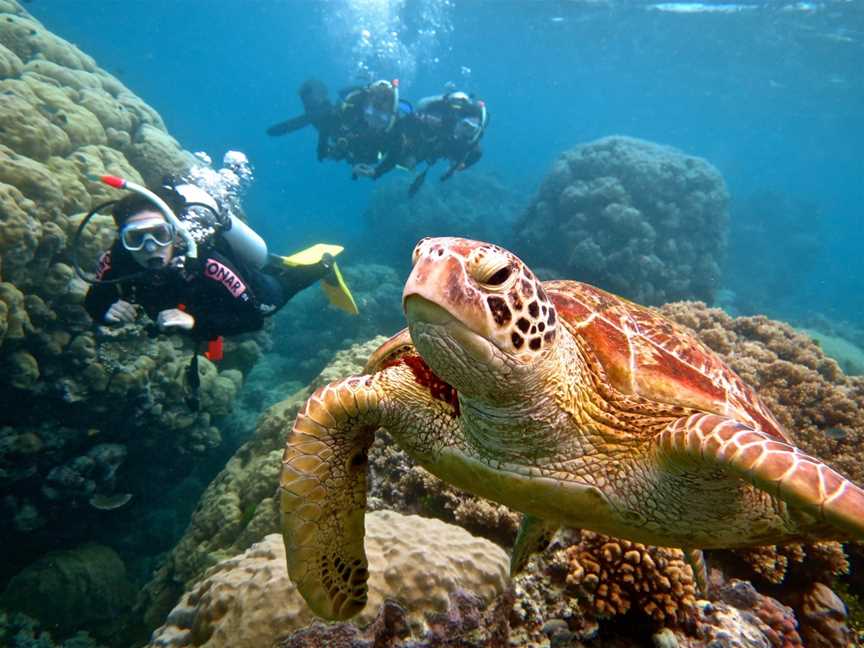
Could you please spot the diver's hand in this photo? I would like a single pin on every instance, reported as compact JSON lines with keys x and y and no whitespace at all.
{"x":363,"y":171}
{"x":175,"y":318}
{"x":121,"y":312}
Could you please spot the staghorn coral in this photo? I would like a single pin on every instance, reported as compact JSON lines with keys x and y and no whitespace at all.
{"x":642,"y":220}
{"x":249,"y":601}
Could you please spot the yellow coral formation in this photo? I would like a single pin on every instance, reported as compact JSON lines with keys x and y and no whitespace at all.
{"x":773,"y":563}
{"x":619,"y":575}
{"x":248,"y":601}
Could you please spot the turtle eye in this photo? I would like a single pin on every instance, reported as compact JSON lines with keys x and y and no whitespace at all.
{"x":499,"y":276}
{"x":489,"y":268}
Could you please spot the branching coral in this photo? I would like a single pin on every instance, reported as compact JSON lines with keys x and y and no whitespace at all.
{"x":618,"y":575}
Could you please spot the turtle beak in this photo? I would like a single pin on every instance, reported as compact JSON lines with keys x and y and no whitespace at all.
{"x":435,"y":281}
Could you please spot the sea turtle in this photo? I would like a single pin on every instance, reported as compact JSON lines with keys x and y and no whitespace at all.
{"x":559,"y":400}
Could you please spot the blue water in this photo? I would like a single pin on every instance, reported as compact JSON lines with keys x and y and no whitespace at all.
{"x":770,"y":93}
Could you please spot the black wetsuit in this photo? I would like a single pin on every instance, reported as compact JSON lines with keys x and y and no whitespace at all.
{"x":353,"y":140}
{"x":224,"y":296}
{"x":436,"y":124}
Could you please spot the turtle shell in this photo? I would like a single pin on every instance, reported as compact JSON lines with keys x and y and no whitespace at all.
{"x":644,"y":354}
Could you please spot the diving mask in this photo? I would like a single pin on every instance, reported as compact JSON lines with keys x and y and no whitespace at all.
{"x":467,"y":129}
{"x":376,"y":118}
{"x":136,"y":236}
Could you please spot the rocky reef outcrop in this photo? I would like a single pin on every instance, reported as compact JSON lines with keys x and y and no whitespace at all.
{"x":633,"y":217}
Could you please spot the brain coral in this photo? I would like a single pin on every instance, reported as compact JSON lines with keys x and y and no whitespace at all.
{"x":248,"y":601}
{"x":642,"y":220}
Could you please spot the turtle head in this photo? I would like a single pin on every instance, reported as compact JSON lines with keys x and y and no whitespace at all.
{"x":477,"y":314}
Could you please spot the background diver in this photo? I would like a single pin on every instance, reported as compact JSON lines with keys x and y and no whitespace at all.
{"x":447,"y":126}
{"x":362,"y":128}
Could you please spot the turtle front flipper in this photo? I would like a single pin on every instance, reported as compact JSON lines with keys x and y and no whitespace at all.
{"x":778,"y":468}
{"x":323,"y":496}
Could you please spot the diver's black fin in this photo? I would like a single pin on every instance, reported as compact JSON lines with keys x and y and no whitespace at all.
{"x":289,"y":126}
{"x":418,"y":182}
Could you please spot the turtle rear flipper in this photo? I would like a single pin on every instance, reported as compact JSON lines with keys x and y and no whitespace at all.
{"x":323,"y":497}
{"x":778,"y":468}
{"x":534,"y":536}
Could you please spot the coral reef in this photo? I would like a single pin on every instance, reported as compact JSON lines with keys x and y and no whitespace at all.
{"x":642,"y":220}
{"x":849,"y":356}
{"x":21,"y":631}
{"x":607,"y":588}
{"x":618,"y":574}
{"x":249,"y":600}
{"x":467,"y":623}
{"x":584,"y":578}
{"x":823,"y":618}
{"x":821,"y":408}
{"x":69,"y":387}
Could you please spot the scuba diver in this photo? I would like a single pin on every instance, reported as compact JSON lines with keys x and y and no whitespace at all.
{"x":197,"y":269}
{"x":358,"y":129}
{"x":447,"y":126}
{"x":318,"y":111}
{"x":367,"y":134}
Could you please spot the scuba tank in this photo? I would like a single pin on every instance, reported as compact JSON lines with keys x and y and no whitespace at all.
{"x":242,"y":239}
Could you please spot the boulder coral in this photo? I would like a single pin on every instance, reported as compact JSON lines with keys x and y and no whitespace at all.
{"x":86,"y":585}
{"x":639,"y":219}
{"x":248,"y":600}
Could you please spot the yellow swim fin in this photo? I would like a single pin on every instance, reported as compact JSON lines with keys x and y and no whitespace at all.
{"x":311,"y":255}
{"x":337,"y":292}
